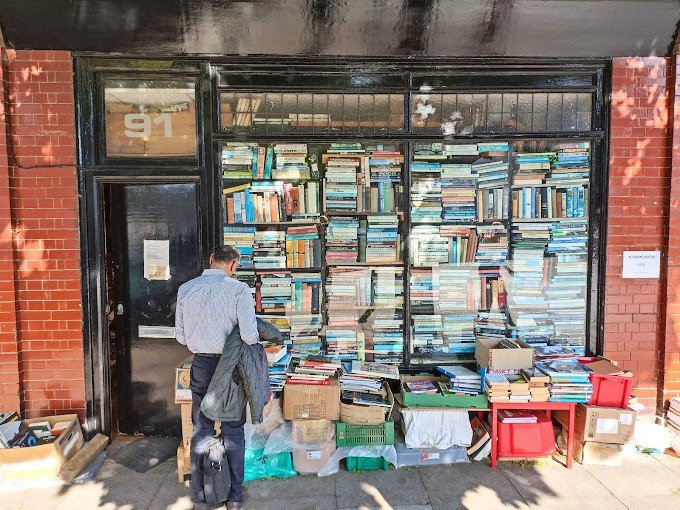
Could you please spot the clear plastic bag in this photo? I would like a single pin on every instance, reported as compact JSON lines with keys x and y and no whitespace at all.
{"x":281,"y":440}
{"x":257,"y":435}
{"x":388,"y":452}
{"x":652,"y":438}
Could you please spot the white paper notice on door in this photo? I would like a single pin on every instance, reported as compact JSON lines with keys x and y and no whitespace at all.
{"x":156,"y":259}
{"x":156,"y":332}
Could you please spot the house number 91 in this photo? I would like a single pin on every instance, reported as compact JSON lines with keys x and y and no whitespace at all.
{"x":138,"y":125}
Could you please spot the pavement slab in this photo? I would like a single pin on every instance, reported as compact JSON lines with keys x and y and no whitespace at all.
{"x":380,"y":489}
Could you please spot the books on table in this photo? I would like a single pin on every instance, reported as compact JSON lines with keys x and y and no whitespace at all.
{"x":421,"y":387}
{"x":517,"y":416}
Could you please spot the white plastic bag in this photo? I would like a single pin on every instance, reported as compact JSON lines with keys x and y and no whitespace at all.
{"x":388,"y":452}
{"x":441,"y":428}
{"x":652,"y":437}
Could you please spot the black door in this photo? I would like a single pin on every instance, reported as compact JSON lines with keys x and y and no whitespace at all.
{"x":152,"y":223}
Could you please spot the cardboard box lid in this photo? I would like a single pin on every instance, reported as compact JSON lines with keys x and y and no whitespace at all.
{"x":607,"y":367}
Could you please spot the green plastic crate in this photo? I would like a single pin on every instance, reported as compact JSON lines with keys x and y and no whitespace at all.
{"x":364,"y":435}
{"x":367,"y":464}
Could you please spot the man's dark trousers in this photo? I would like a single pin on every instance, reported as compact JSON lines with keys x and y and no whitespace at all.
{"x":202,"y":370}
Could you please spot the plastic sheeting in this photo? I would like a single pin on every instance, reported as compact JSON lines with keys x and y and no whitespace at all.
{"x":440,"y":428}
{"x":388,"y":452}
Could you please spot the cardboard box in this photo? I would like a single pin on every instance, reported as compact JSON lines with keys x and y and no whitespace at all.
{"x":600,"y":424}
{"x":46,"y":460}
{"x":188,"y":427}
{"x":367,"y":415}
{"x":600,"y":454}
{"x":438,"y":400}
{"x":182,"y":380}
{"x":308,"y":461}
{"x":313,"y":431}
{"x":489,"y":355}
{"x":311,"y":402}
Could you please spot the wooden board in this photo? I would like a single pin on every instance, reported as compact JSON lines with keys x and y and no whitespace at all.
{"x":83,"y":457}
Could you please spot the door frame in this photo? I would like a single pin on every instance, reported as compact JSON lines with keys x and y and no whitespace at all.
{"x":96,"y":345}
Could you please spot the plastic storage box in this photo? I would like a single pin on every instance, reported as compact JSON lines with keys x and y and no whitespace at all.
{"x":364,"y":435}
{"x":367,"y":464}
{"x":428,"y":456}
{"x":611,"y":390}
{"x":309,"y":459}
{"x":526,"y":439}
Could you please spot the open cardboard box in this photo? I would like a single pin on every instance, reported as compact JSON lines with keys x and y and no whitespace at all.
{"x":352,"y":414}
{"x":45,"y":460}
{"x":489,"y":355}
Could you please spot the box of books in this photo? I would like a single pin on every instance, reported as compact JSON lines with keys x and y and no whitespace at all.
{"x":434,"y":391}
{"x":312,"y":401}
{"x":371,"y":413}
{"x":504,"y":354}
{"x":61,"y":440}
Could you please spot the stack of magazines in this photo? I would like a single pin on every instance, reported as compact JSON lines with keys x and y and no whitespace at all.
{"x":463,"y":380}
{"x":362,"y":383}
{"x":569,"y":380}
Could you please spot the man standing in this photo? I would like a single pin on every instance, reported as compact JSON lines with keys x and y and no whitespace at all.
{"x":209,"y":307}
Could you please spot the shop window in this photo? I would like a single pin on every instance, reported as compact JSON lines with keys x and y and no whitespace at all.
{"x":499,"y":242}
{"x":287,"y":112}
{"x":458,"y":114}
{"x":150,"y":118}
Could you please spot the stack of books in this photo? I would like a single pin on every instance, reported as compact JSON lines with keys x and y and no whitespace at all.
{"x":497,"y":387}
{"x":311,"y":371}
{"x":428,"y":247}
{"x":303,"y":247}
{"x":427,"y":332}
{"x":426,"y":192}
{"x":273,"y":293}
{"x":462,"y":243}
{"x":550,"y":202}
{"x":269,"y":249}
{"x":517,"y":416}
{"x":345,"y":343}
{"x":492,"y":204}
{"x":572,"y":161}
{"x":519,"y":390}
{"x":305,"y":331}
{"x":342,"y":241}
{"x":382,"y":240}
{"x":424,"y":287}
{"x":458,"y":190}
{"x":492,"y":247}
{"x":463,"y":380}
{"x":385,"y":336}
{"x":569,"y":380}
{"x":362,"y":383}
{"x":348,"y":287}
{"x":387,"y":287}
{"x":491,"y":174}
{"x":480,"y":446}
{"x":291,"y":162}
{"x":491,"y":325}
{"x":243,"y":239}
{"x":246,"y":160}
{"x":458,"y":288}
{"x":552,"y":352}
{"x":421,"y":387}
{"x":673,"y":415}
{"x":531,"y":167}
{"x":459,"y":333}
{"x":538,"y":384}
{"x":362,"y":179}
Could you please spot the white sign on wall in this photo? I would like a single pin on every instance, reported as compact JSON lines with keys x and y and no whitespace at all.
{"x":641,"y":264}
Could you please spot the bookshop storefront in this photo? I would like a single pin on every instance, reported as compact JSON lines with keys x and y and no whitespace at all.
{"x":395,"y":210}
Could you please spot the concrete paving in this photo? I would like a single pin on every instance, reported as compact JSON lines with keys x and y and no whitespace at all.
{"x":643,"y":482}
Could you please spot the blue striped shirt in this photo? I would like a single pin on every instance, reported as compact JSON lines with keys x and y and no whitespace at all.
{"x":209,"y":307}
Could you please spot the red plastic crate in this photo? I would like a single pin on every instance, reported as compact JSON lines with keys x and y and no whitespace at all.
{"x":611,"y":390}
{"x":526,"y":439}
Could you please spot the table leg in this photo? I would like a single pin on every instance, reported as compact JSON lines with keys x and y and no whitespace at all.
{"x":570,"y":437}
{"x":494,"y":437}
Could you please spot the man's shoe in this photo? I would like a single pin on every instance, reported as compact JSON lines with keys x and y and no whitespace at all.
{"x":234,"y":505}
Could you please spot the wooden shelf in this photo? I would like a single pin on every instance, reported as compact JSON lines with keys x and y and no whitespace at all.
{"x":547,"y":220}
{"x":357,"y":214}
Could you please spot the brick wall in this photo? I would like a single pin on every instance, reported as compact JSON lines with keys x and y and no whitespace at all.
{"x":639,"y":182}
{"x":44,"y":231}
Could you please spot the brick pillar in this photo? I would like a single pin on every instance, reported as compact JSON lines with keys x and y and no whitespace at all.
{"x":9,"y":349}
{"x":44,"y":207}
{"x":671,"y":354}
{"x":639,"y":183}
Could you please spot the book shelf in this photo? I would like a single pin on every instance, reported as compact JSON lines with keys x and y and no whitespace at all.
{"x":489,"y":240}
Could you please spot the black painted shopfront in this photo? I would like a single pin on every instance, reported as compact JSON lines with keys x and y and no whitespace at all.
{"x":468,"y":174}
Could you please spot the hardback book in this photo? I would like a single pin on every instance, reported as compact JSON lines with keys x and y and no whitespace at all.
{"x":517,"y":416}
{"x":421,"y":387}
